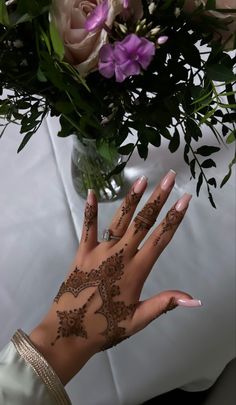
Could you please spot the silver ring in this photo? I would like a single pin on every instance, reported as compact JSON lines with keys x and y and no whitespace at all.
{"x":107,"y":235}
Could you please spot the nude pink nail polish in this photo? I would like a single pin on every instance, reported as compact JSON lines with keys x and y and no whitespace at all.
{"x":189,"y":303}
{"x":90,"y":197}
{"x":140,"y":185}
{"x":183,"y":203}
{"x":168,"y":180}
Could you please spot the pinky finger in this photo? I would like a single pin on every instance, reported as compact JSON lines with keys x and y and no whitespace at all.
{"x":153,"y":307}
{"x":89,"y":233}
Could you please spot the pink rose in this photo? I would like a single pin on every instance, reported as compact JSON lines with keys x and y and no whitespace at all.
{"x":228,"y":36}
{"x":82,"y":47}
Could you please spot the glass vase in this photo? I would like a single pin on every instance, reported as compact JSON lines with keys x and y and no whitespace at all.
{"x":90,"y":171}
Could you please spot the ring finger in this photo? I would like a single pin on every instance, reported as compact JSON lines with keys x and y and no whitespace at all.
{"x":161,"y":236}
{"x":124,"y":214}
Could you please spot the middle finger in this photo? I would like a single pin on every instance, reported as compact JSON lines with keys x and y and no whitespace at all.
{"x":146,"y":218}
{"x":124,"y":214}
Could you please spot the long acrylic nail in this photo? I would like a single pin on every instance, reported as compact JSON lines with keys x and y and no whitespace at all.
{"x":140,"y":185}
{"x":90,"y":197}
{"x":168,"y":180}
{"x":183,"y":203}
{"x":189,"y":303}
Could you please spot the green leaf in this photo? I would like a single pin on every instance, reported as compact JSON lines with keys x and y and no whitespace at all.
{"x":143,"y":150}
{"x":122,"y":135}
{"x":232,"y":137}
{"x":228,"y":175}
{"x":211,"y":200}
{"x":186,"y":151}
{"x":156,"y":115}
{"x":189,"y":51}
{"x":230,"y":93}
{"x":66,"y":128}
{"x":28,"y":10}
{"x":208,"y":163}
{"x":28,"y":123}
{"x":229,"y":117}
{"x":22,"y":105}
{"x":126,"y":149}
{"x":196,"y":91}
{"x":175,"y":142}
{"x":57,"y":42}
{"x":172,"y":104}
{"x":208,"y":115}
{"x":166,"y":133}
{"x":192,"y":168}
{"x":203,"y":97}
{"x":107,"y":150}
{"x":193,"y":130}
{"x":40,"y":76}
{"x":152,"y":135}
{"x":199,"y":184}
{"x":219,"y":113}
{"x":207,"y":150}
{"x":118,"y":169}
{"x":220,"y":73}
{"x":51,"y":72}
{"x":45,"y":39}
{"x":25,"y":140}
{"x":225,"y":130}
{"x":5,"y":108}
{"x":64,"y":107}
{"x":4,"y":19}
{"x":212,"y":182}
{"x":210,"y":5}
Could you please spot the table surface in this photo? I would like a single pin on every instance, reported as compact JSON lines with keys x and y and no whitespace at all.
{"x":40,"y":225}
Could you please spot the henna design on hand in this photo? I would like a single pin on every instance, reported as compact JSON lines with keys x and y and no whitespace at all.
{"x":114,"y":312}
{"x":173,"y":218}
{"x":71,"y":323}
{"x":131,"y":200}
{"x":104,"y":278}
{"x":147,"y":216}
{"x":89,"y":216}
{"x":80,"y":280}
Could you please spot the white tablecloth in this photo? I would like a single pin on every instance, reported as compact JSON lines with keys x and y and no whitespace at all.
{"x":40,"y":225}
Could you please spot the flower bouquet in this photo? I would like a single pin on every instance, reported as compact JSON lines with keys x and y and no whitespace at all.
{"x":111,"y":68}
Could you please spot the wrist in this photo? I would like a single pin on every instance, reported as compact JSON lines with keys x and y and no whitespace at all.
{"x":67,"y":356}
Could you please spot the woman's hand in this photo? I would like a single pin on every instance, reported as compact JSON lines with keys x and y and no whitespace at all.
{"x":98,"y":304}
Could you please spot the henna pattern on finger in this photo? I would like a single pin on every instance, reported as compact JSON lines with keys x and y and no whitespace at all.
{"x":89,"y":217}
{"x":172,"y":304}
{"x":147,"y":216}
{"x":173,"y":219}
{"x":131,"y":201}
{"x":71,"y":323}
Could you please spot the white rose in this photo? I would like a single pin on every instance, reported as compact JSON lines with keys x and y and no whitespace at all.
{"x":229,"y":18}
{"x":82,"y":47}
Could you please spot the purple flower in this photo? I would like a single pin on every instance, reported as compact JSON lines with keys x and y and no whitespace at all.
{"x":97,"y":17}
{"x":126,"y":58}
{"x":162,"y":40}
{"x":126,"y":3}
{"x":107,"y":61}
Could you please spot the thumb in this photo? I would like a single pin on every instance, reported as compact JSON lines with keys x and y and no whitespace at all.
{"x":153,"y":307}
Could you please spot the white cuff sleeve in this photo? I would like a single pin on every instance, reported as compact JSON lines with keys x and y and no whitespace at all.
{"x":26,"y":378}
